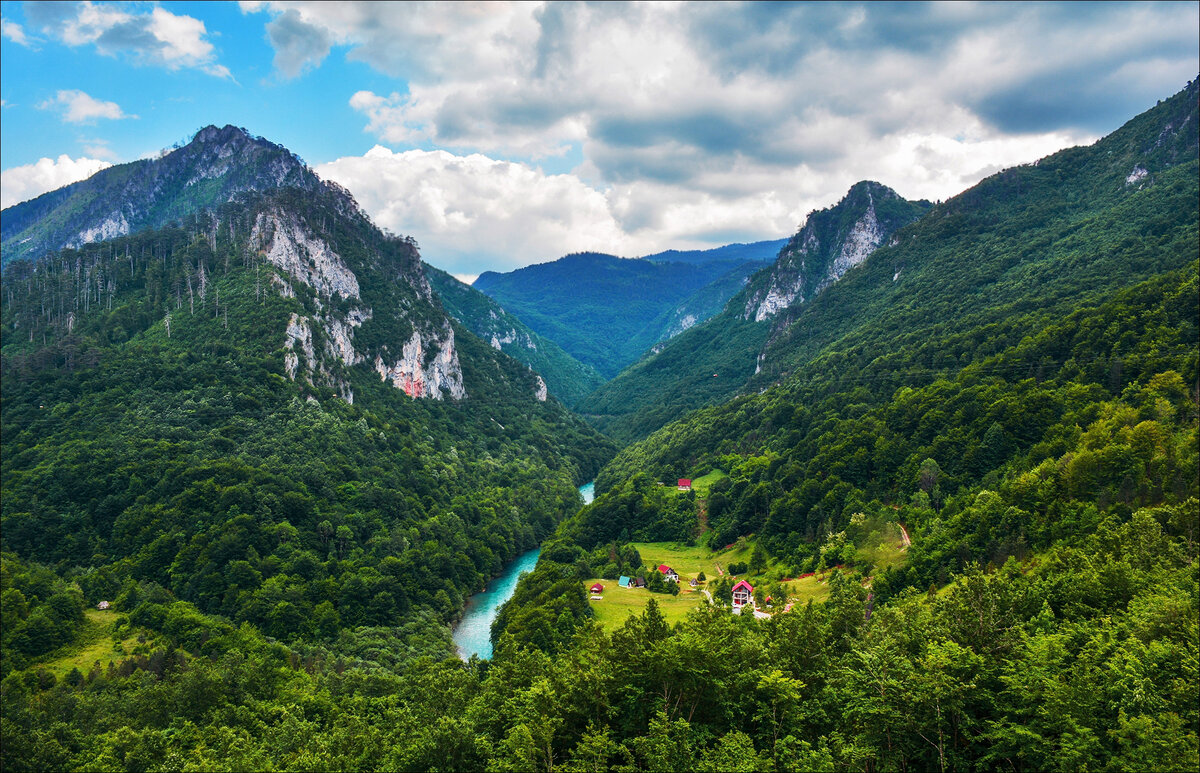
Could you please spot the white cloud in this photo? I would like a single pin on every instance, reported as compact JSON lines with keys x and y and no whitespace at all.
{"x":98,"y":148}
{"x":22,"y":183}
{"x":698,"y":122}
{"x":158,"y":37}
{"x":471,"y":211}
{"x":79,"y":107}
{"x":16,"y":33}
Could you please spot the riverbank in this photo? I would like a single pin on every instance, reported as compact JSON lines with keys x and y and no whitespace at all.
{"x":473,"y":634}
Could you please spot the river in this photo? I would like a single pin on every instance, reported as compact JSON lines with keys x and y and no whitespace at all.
{"x":473,"y":634}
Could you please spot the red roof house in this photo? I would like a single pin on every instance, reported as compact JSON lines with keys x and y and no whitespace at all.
{"x":743,"y":593}
{"x":597,"y":588}
{"x":668,"y":573}
{"x":685,"y":484}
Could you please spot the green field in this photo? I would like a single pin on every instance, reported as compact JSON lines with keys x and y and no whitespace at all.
{"x":94,"y":643}
{"x":688,"y":560}
{"x":702,"y":484}
{"x":619,"y":603}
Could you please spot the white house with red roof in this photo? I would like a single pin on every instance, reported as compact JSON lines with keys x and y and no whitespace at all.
{"x":668,"y":573}
{"x":685,"y":484}
{"x":743,"y":594}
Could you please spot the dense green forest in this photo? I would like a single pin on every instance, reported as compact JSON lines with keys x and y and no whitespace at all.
{"x":190,"y":417}
{"x":283,"y":537}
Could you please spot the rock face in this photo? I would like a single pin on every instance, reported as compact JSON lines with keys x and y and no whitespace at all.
{"x":287,"y":244}
{"x":832,"y":242}
{"x":420,"y":375}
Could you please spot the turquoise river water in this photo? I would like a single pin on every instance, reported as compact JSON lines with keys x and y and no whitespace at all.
{"x":472,"y":635}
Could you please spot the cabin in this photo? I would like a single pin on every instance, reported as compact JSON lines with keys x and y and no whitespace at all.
{"x":743,"y":593}
{"x":694,"y":582}
{"x":102,"y":605}
{"x":685,"y":484}
{"x":639,"y":582}
{"x":624,"y":582}
{"x":597,"y":588}
{"x":668,"y":573}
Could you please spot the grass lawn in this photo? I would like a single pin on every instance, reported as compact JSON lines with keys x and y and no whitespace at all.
{"x":702,"y":484}
{"x":619,"y":603}
{"x":800,"y":592}
{"x":94,"y":643}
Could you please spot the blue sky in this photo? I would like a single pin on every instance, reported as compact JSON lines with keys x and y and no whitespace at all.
{"x":504,"y":134}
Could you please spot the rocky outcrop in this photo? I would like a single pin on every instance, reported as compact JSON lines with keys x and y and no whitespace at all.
{"x":427,"y":367}
{"x":284,"y":240}
{"x":299,"y":342}
{"x":832,"y":242}
{"x":540,"y":391}
{"x":110,"y":228}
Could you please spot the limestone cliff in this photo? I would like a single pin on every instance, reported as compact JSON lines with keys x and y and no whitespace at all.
{"x":831,"y":242}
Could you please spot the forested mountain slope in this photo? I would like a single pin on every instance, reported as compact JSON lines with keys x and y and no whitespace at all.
{"x":265,"y":411}
{"x":1040,"y":237}
{"x":1047,"y":471}
{"x":713,"y":360}
{"x":566,"y":378}
{"x":606,"y":311}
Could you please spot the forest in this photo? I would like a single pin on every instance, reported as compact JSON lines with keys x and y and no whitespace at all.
{"x":224,"y":551}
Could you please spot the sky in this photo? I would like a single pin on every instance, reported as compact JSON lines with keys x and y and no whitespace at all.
{"x":504,"y":134}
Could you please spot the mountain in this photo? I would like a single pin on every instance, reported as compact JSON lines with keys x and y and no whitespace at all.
{"x":964,"y":487}
{"x":214,"y":167}
{"x":566,"y":378}
{"x":263,"y":409}
{"x":571,"y":301}
{"x":754,"y":252}
{"x":713,"y":360}
{"x":971,"y":465}
{"x":972,"y":279}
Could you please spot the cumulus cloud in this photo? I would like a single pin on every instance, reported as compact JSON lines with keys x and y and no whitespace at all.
{"x":298,"y":45}
{"x":158,"y":37}
{"x":16,"y":33}
{"x":698,"y":121}
{"x":79,"y":107}
{"x":22,"y":183}
{"x":472,"y":211}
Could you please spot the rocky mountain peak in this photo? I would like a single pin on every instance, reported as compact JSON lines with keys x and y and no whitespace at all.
{"x":831,"y":242}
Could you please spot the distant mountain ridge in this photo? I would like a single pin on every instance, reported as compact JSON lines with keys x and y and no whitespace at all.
{"x":606,"y":311}
{"x":566,"y":378}
{"x":763,"y":252}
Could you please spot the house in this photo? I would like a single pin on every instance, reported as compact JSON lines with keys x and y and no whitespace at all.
{"x":668,"y":573}
{"x":102,"y":605}
{"x":694,"y":582}
{"x":639,"y":582}
{"x":624,"y":582}
{"x":597,"y":588}
{"x":685,"y":484}
{"x":743,"y":593}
